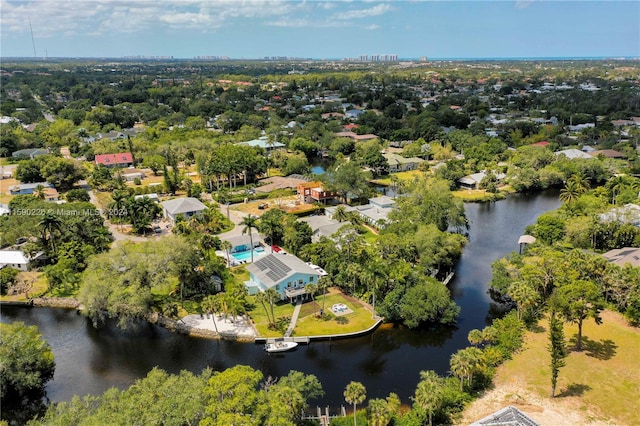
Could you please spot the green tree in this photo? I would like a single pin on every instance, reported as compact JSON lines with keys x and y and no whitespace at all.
{"x":211,"y":305}
{"x":355,"y":393}
{"x":26,"y":365}
{"x":272,"y":224}
{"x":226,"y":246}
{"x":577,"y":301}
{"x":557,"y":349}
{"x":250,"y":222}
{"x":429,"y":393}
{"x":465,"y":363}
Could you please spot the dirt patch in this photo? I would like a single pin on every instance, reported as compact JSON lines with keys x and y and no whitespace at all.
{"x":557,"y":411}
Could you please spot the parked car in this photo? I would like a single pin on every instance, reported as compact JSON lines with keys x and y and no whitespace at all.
{"x":157,"y":229}
{"x":263,"y":206}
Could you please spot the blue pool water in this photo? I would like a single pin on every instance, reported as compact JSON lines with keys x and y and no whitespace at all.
{"x":246,"y":255}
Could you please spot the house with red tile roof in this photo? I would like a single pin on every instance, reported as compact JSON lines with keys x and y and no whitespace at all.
{"x":122,"y":159}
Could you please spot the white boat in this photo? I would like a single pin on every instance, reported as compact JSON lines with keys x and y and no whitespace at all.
{"x":279,"y":346}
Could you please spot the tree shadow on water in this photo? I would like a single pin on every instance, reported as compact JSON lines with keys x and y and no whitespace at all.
{"x":574,"y":389}
{"x":604,"y":349}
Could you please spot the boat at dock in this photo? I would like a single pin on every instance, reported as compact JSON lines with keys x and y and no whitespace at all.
{"x":279,"y":346}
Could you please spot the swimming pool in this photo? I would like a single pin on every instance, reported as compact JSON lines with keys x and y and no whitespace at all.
{"x":246,"y":255}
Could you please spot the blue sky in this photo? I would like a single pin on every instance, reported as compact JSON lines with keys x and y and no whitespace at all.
{"x":320,"y":29}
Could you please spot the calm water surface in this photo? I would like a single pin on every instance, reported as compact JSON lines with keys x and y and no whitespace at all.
{"x":389,"y":360}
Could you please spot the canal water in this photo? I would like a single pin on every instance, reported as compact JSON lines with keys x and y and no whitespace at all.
{"x":92,"y":360}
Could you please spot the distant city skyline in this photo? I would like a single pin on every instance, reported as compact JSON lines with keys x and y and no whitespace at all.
{"x":319,"y":29}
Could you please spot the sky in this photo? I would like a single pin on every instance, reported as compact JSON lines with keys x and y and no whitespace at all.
{"x":245,"y":29}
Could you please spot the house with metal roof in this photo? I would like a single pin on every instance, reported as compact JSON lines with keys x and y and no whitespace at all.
{"x":629,"y":214}
{"x":14,"y":259}
{"x":473,"y":181}
{"x":509,"y":415}
{"x":285,"y":273}
{"x":30,"y":153}
{"x":264,"y":143}
{"x":398,"y":163}
{"x":186,"y":206}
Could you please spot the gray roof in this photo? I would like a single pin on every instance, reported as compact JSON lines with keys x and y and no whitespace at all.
{"x":573,"y":153}
{"x":620,"y":257}
{"x":31,"y":152}
{"x":243,"y":239}
{"x":34,"y":185}
{"x":507,"y":416}
{"x":183,"y":205}
{"x":275,"y":268}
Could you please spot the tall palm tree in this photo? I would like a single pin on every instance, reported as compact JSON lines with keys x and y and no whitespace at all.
{"x":355,"y":393}
{"x":271,"y":224}
{"x":250,"y":222}
{"x":262,"y":299}
{"x":49,"y":224}
{"x":323,"y":285}
{"x":226,"y":246}
{"x":311,"y":290}
{"x":272,"y":297}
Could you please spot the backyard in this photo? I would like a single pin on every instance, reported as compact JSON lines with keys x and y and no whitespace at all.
{"x":309,"y":324}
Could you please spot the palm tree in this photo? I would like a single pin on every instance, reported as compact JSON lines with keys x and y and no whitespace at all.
{"x":226,"y":246}
{"x":48,"y":225}
{"x":323,"y":284}
{"x":271,"y":224}
{"x":311,"y":290}
{"x":379,"y":414}
{"x":272,"y":297}
{"x":464,"y":363}
{"x":208,"y":243}
{"x":429,"y":392}
{"x":340,"y":214}
{"x":581,"y":182}
{"x":262,"y":299}
{"x":570,"y":193}
{"x":39,"y":192}
{"x":250,"y":223}
{"x":355,"y":393}
{"x":211,"y":305}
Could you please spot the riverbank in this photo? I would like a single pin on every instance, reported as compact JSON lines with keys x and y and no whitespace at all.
{"x":594,"y":388}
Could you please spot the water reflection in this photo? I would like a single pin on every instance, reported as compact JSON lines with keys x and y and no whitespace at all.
{"x":91,"y":360}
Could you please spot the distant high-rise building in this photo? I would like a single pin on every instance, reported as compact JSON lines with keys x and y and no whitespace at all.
{"x":423,"y":59}
{"x":364,"y":58}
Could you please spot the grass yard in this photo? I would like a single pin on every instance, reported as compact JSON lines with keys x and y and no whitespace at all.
{"x":259,"y":317}
{"x":310,"y":325}
{"x":39,"y":286}
{"x":597,"y":385}
{"x":478,"y":195}
{"x":403,"y":176}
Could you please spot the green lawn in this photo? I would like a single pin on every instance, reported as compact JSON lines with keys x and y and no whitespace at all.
{"x":311,"y":325}
{"x":601,"y":381}
{"x":259,"y":317}
{"x":386,"y":180}
{"x":478,"y":195}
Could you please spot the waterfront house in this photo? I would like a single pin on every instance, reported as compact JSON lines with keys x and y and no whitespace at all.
{"x":506,"y":416}
{"x":185,"y":206}
{"x":398,"y":163}
{"x":14,"y":259}
{"x":473,"y":181}
{"x":285,"y":273}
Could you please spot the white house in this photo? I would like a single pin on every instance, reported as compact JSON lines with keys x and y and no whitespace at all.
{"x":186,"y":207}
{"x":14,"y":259}
{"x":285,"y":273}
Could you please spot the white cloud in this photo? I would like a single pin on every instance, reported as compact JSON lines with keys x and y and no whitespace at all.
{"x":523,"y":4}
{"x":95,"y":17}
{"x":377,"y":10}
